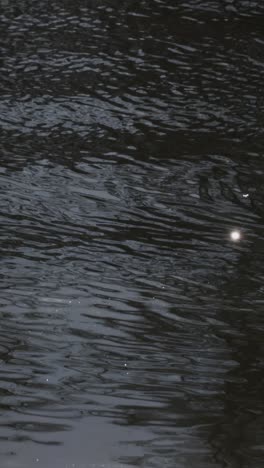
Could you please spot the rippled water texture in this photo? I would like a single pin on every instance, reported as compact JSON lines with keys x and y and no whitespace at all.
{"x":131,"y":146}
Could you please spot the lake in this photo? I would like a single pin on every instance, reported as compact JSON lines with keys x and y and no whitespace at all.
{"x":131,"y":321}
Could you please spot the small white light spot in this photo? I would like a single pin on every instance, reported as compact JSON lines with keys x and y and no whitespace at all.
{"x":235,"y":236}
{"x":245,"y":195}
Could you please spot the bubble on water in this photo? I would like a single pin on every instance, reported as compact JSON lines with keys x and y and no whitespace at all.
{"x":235,"y":235}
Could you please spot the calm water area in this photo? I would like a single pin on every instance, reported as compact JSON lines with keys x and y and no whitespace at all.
{"x":132,"y":145}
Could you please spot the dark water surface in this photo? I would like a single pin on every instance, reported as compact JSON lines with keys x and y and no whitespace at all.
{"x":132,"y":141}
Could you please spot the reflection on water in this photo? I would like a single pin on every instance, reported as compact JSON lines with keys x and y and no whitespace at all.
{"x":131,"y":215}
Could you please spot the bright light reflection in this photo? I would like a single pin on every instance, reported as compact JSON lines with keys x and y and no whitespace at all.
{"x":235,"y":235}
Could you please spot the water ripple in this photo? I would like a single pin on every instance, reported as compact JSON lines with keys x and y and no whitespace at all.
{"x":131,"y":323}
